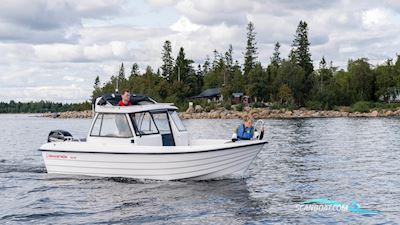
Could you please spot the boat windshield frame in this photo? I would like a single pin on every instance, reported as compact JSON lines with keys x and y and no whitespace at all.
{"x":135,"y":125}
{"x":177,"y":121}
{"x":101,"y":125}
{"x":180,"y":127}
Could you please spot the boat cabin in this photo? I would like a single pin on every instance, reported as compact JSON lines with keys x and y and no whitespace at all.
{"x":145,"y":123}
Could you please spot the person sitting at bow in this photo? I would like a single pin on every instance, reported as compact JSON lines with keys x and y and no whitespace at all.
{"x":245,"y":131}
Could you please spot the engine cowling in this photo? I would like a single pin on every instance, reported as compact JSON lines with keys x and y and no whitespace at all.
{"x":59,"y":136}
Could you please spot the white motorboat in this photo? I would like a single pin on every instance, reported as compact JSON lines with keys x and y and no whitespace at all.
{"x":145,"y":141}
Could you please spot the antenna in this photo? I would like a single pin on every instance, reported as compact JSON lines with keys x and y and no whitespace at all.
{"x":179,"y":73}
{"x":116,"y":85}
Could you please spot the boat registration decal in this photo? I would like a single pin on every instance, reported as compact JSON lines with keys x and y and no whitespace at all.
{"x":59,"y":156}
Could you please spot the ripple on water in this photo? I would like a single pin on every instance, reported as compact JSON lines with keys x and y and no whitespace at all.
{"x":342,"y":159}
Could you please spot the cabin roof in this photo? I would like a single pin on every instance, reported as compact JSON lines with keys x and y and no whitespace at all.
{"x":212,"y":92}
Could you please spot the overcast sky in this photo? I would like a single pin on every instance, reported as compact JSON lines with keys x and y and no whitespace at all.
{"x":53,"y":49}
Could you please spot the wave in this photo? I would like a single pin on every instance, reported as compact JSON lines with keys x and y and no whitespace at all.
{"x":22,"y":168}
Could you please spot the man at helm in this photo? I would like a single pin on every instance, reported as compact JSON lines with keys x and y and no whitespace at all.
{"x":125,"y":101}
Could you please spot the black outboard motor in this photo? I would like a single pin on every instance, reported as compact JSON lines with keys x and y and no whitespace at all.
{"x":59,"y":136}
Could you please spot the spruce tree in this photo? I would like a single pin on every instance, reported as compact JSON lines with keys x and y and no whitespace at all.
{"x":217,"y":57}
{"x":96,"y":82}
{"x":97,"y":89}
{"x":183,"y":68}
{"x":168,"y":62}
{"x":135,"y":70}
{"x":300,"y":54}
{"x":322,"y":72}
{"x":121,"y":73}
{"x":301,"y":48}
{"x":206,"y":65}
{"x":229,"y":58}
{"x":276,"y":56}
{"x":250,"y":56}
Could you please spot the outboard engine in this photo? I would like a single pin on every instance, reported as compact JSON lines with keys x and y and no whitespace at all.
{"x":59,"y":136}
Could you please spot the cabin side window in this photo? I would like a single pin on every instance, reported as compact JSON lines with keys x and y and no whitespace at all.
{"x":177,"y":121}
{"x":111,"y":125}
{"x":162,"y":123}
{"x":144,"y":123}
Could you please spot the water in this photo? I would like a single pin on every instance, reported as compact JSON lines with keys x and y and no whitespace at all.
{"x":342,"y":159}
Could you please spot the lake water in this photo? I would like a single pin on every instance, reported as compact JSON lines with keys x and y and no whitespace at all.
{"x":341,"y":159}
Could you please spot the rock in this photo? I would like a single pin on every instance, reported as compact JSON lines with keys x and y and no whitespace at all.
{"x":316,"y":114}
{"x":222,"y":115}
{"x":374,"y":113}
{"x":389,"y":113}
{"x":288,"y":113}
{"x":198,"y":109}
{"x":190,"y":109}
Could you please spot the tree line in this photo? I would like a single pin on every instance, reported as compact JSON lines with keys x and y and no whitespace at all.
{"x":290,"y":81}
{"x":41,"y":107}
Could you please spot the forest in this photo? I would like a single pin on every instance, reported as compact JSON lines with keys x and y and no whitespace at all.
{"x":289,"y":82}
{"x":286,"y":82}
{"x":42,"y":107}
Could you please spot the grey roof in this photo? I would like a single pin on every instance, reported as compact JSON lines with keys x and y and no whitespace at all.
{"x":212,"y":92}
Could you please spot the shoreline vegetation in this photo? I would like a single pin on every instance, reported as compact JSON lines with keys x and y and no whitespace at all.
{"x":290,"y":82}
{"x":287,"y":87}
{"x":255,"y":113}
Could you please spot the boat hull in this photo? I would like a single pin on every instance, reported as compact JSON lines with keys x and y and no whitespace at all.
{"x":198,"y":165}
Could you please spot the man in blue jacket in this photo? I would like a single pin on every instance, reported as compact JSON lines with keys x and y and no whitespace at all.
{"x":245,"y":131}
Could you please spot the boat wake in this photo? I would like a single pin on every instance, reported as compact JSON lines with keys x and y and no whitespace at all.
{"x":6,"y":167}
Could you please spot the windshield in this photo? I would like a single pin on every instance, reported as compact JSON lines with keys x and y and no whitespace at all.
{"x":111,"y":125}
{"x":143,"y":123}
{"x":161,"y":120}
{"x":177,"y":120}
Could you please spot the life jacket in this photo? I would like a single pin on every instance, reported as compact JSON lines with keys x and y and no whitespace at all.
{"x":244,"y":133}
{"x":121,"y":103}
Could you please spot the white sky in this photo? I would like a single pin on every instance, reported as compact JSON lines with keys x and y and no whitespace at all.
{"x":53,"y":49}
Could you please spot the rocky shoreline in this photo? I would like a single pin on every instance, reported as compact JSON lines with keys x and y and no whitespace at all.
{"x":69,"y":114}
{"x":256,"y":113}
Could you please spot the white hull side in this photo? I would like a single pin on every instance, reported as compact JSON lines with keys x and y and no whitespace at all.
{"x":190,"y":165}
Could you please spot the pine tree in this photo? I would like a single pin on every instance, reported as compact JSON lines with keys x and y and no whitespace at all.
{"x":135,"y":70}
{"x":217,"y":57}
{"x":168,"y":62}
{"x":300,"y":54}
{"x":183,"y":68}
{"x":229,"y":58}
{"x":250,"y":56}
{"x":301,"y":49}
{"x":97,"y":89}
{"x":199,"y":78}
{"x":276,"y":56}
{"x":97,"y":82}
{"x":206,"y":65}
{"x":322,"y":72}
{"x":121,"y":74}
